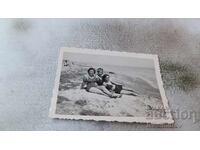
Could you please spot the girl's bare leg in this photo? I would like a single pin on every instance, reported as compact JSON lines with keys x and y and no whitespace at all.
{"x":125,"y":92}
{"x":110,"y":94}
{"x":96,"y":91}
{"x":130,"y":90}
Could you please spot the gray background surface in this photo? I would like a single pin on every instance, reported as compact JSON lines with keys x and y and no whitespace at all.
{"x":29,"y":52}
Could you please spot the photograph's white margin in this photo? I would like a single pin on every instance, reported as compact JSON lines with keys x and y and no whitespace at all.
{"x":52,"y":111}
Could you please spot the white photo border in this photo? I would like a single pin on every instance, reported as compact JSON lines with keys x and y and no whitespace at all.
{"x":52,"y":111}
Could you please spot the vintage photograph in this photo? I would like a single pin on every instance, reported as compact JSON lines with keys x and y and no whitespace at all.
{"x":107,"y":85}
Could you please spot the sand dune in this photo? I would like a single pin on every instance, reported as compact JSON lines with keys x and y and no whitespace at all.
{"x":80,"y":102}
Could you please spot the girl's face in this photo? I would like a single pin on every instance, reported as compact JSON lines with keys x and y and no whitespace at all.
{"x":100,"y":72}
{"x":107,"y":78}
{"x":91,"y":73}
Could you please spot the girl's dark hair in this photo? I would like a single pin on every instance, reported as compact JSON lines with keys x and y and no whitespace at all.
{"x":100,"y":69}
{"x":91,"y":69}
{"x":104,"y":77}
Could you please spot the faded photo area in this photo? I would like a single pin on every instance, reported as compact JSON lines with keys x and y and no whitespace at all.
{"x":108,"y":87}
{"x":115,"y":86}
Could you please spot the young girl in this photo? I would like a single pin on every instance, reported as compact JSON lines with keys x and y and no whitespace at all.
{"x":116,"y":88}
{"x":90,"y":84}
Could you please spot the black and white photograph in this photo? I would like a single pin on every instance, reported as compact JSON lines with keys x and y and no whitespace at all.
{"x":107,"y":85}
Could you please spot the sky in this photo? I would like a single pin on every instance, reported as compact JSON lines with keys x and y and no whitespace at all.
{"x":109,"y":60}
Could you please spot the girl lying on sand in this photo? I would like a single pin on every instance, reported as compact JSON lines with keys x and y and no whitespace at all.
{"x":116,"y":88}
{"x":91,"y":84}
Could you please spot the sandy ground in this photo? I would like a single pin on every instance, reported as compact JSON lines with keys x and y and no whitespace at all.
{"x":80,"y":102}
{"x":29,"y":51}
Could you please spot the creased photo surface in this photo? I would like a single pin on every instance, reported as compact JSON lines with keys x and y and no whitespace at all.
{"x":106,"y":85}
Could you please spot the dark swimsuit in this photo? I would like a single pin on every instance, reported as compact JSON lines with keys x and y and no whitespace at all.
{"x":118,"y":88}
{"x":99,"y":81}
